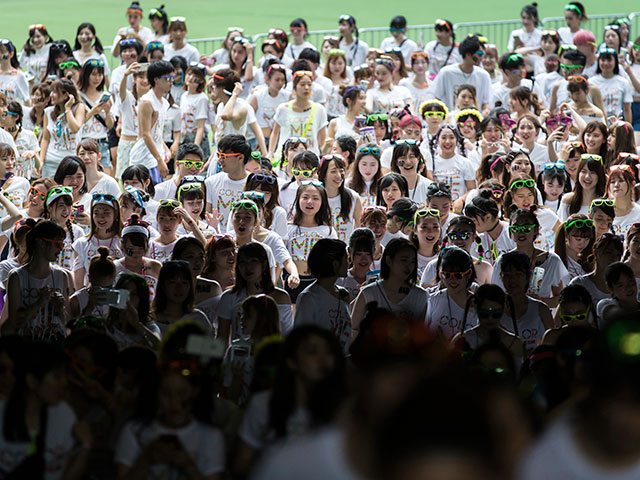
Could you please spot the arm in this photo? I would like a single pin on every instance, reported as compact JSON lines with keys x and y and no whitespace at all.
{"x":78,"y":276}
{"x":292,"y":270}
{"x":199,"y":131}
{"x":273,"y":139}
{"x":545,"y":316}
{"x":145,"y":120}
{"x":75,"y":120}
{"x":229,"y":112}
{"x":123,"y":84}
{"x":18,"y":314}
{"x":13,"y":213}
{"x":357,"y":314}
{"x":322,"y":135}
{"x":626,"y":108}
{"x":554,"y":97}
{"x":357,"y":211}
{"x":257,"y":131}
{"x":248,"y":71}
{"x":253,"y":101}
{"x":596,"y":96}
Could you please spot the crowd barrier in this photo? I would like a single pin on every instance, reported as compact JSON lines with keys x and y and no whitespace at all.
{"x":496,"y":32}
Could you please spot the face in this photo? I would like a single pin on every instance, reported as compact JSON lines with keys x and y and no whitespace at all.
{"x":177,"y":289}
{"x":337,"y":65}
{"x":488,"y":314}
{"x":523,"y":238}
{"x":368,"y":166}
{"x":523,"y":197}
{"x":250,"y":269}
{"x":238,"y":54}
{"x":229,"y":41}
{"x":447,"y":141}
{"x":362,"y":260}
{"x":298,"y":33}
{"x":390,"y":194}
{"x":578,"y":96}
{"x":427,"y":230}
{"x":304,"y":87}
{"x":528,"y":21}
{"x":96,"y":78}
{"x":243,"y":222}
{"x":134,"y":18}
{"x":133,"y":251}
{"x":277,"y":80}
{"x":192,"y":170}
{"x":225,"y":258}
{"x":380,"y":129}
{"x":294,"y":150}
{"x":60,"y":211}
{"x":553,"y":189}
{"x":408,"y":164}
{"x":442,"y":204}
{"x":420,"y":65}
{"x":335,"y":175}
{"x":135,"y":183}
{"x":314,"y":360}
{"x":572,"y":164}
{"x":51,"y":388}
{"x":85,"y":36}
{"x":378,"y":228}
{"x":611,"y":39}
{"x":548,"y":45}
{"x":588,"y":179}
{"x":465,"y":99}
{"x":455,"y":237}
{"x":489,"y":62}
{"x":178,"y":33}
{"x":175,"y":397}
{"x":402,"y":264}
{"x":442,"y":34}
{"x":128,"y":208}
{"x":515,"y":282}
{"x":89,"y":157}
{"x":625,"y":289}
{"x":521,"y":164}
{"x":310,"y":201}
{"x":571,"y":19}
{"x":383,"y":75}
{"x":576,"y":241}
{"x":156,"y":24}
{"x":34,"y":200}
{"x":607,"y":64}
{"x":75,"y":180}
{"x":103,"y":216}
{"x":194,"y":207}
{"x":7,"y":163}
{"x":37,"y":39}
{"x":59,"y":96}
{"x":634,"y":246}
{"x":602,"y":223}
{"x":618,"y":188}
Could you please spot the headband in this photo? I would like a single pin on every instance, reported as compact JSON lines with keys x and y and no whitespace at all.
{"x":434,"y":102}
{"x":135,"y":193}
{"x":469,"y":111}
{"x":136,"y":228}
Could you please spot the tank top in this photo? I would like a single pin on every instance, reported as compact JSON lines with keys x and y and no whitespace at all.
{"x":445,"y":317}
{"x":530,"y":326}
{"x":151,"y":281}
{"x":410,"y":307}
{"x":344,"y":228}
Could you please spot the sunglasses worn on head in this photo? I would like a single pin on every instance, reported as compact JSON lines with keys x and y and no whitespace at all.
{"x":369,"y":150}
{"x":374,"y":208}
{"x":577,"y":79}
{"x":374,"y":117}
{"x":36,"y":26}
{"x":521,"y":228}
{"x":60,"y":190}
{"x":580,"y":223}
{"x":625,"y":155}
{"x":103,"y":196}
{"x":622,"y":167}
{"x":456,"y":275}
{"x":559,"y":165}
{"x":315,"y":183}
{"x":599,"y":202}
{"x":406,"y":141}
{"x":190,"y":186}
{"x":167,"y":202}
{"x":416,"y":55}
{"x":303,"y":73}
{"x":248,"y":205}
{"x":529,"y":182}
{"x":261,"y":177}
{"x":589,"y":156}
{"x":425,"y":212}
{"x":96,"y":63}
{"x":252,"y":195}
{"x":304,"y":173}
{"x":70,"y":64}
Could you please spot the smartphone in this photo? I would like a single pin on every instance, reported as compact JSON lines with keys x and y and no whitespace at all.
{"x":116,"y":298}
{"x":142,"y":67}
{"x":210,"y":61}
{"x":105,"y":98}
{"x":79,"y":208}
{"x":364,"y":83}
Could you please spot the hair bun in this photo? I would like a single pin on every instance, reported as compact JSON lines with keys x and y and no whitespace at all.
{"x":162,"y":7}
{"x":533,"y":208}
{"x":134,"y":218}
{"x":512,"y":208}
{"x":103,"y":252}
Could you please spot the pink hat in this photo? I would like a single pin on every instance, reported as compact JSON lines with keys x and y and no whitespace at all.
{"x":584,"y":37}
{"x":408,"y":120}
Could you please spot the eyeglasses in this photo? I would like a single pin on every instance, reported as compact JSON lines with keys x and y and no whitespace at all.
{"x":193,"y":179}
{"x":432,"y":114}
{"x":426,"y":212}
{"x":568,"y":46}
{"x":623,"y":168}
{"x":457,"y":235}
{"x":456,"y":275}
{"x":297,"y":29}
{"x":551,"y":62}
{"x":577,"y":79}
{"x":186,"y":187}
{"x":374,"y":117}
{"x":497,"y":194}
{"x":406,"y":141}
{"x":346,"y":18}
{"x":315,"y":183}
{"x":359,"y":68}
{"x":241,"y":40}
{"x":611,"y":27}
{"x":303,"y":173}
{"x":96,"y":63}
{"x":558,"y":165}
{"x":191,"y":163}
{"x":575,"y":8}
{"x":292,"y":140}
{"x":261,"y":177}
{"x":577,"y":145}
{"x":607,"y":51}
{"x":580,"y":223}
{"x":35,"y":192}
{"x":599,"y":202}
{"x":167,"y":202}
{"x":553,"y":33}
{"x":396,"y":30}
{"x":373,"y":208}
{"x":276,"y":66}
{"x":521,"y":228}
{"x":224,"y":156}
{"x":241,"y":30}
{"x":385,"y":61}
{"x":168,"y":78}
{"x":369,"y":151}
{"x":494,"y":314}
{"x":590,"y":156}
{"x":253,"y":195}
{"x":556,"y":120}
{"x":155,"y":46}
{"x":178,"y":19}
{"x":272,"y":31}
{"x":506,"y":121}
{"x":571,"y":318}
{"x":107,"y":197}
{"x":36,"y":26}
{"x":636,"y":46}
{"x":246,"y":204}
{"x":393,"y":50}
{"x":416,"y":55}
{"x":625,"y":155}
{"x":70,"y":64}
{"x":468,"y":124}
{"x":529,"y":182}
{"x":59,"y":191}
{"x":330,"y":38}
{"x":128,"y":41}
{"x":199,"y":66}
{"x":565,"y":66}
{"x":303,"y":73}
{"x":480,"y":53}
{"x":500,"y":159}
{"x":155,"y":12}
{"x":442,"y":24}
{"x":336,"y":51}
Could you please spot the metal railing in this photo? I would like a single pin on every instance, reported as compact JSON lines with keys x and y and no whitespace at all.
{"x":496,"y":32}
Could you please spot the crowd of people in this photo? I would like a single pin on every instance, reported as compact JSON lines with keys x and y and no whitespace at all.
{"x":329,"y":261}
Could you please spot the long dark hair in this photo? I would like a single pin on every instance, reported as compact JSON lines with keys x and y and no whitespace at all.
{"x":357,"y":182}
{"x":257,"y":251}
{"x":391,"y":250}
{"x":85,"y":73}
{"x":323,"y":216}
{"x":594,"y":166}
{"x":346,"y":200}
{"x":28,"y":46}
{"x":324,"y":398}
{"x":169,"y":270}
{"x":66,"y":86}
{"x":560,"y":246}
{"x":272,"y":188}
{"x":58,"y":48}
{"x":97,"y":45}
{"x":596,"y":125}
{"x":386,"y":181}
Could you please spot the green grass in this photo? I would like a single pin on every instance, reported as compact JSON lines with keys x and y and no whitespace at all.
{"x":209,"y":18}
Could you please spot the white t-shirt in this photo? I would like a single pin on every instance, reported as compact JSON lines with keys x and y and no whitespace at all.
{"x":277,"y":246}
{"x":160,"y":252}
{"x":189,"y":52}
{"x":566,"y":36}
{"x":145,"y":34}
{"x":355,"y":53}
{"x":107,"y":184}
{"x":387,"y":100}
{"x":555,"y":273}
{"x":36,"y":63}
{"x":204,"y":443}
{"x":407,"y":46}
{"x":445,"y":87}
{"x":440,"y":56}
{"x":85,"y":249}
{"x":410,"y":307}
{"x":301,"y":124}
{"x":494,"y":248}
{"x":140,"y":154}
{"x":194,"y":108}
{"x":300,"y":240}
{"x":500,"y":93}
{"x":94,"y":56}
{"x":221,"y":193}
{"x":129,"y":115}
{"x":59,"y":443}
{"x":455,"y":172}
{"x":530,"y":326}
{"x":15,"y":86}
{"x":539,"y":156}
{"x":267,"y":105}
{"x":621,"y":225}
{"x":528,"y":39}
{"x":616,"y":91}
{"x":445,"y":317}
{"x":316,"y":306}
{"x":586,"y":282}
{"x":343,"y":227}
